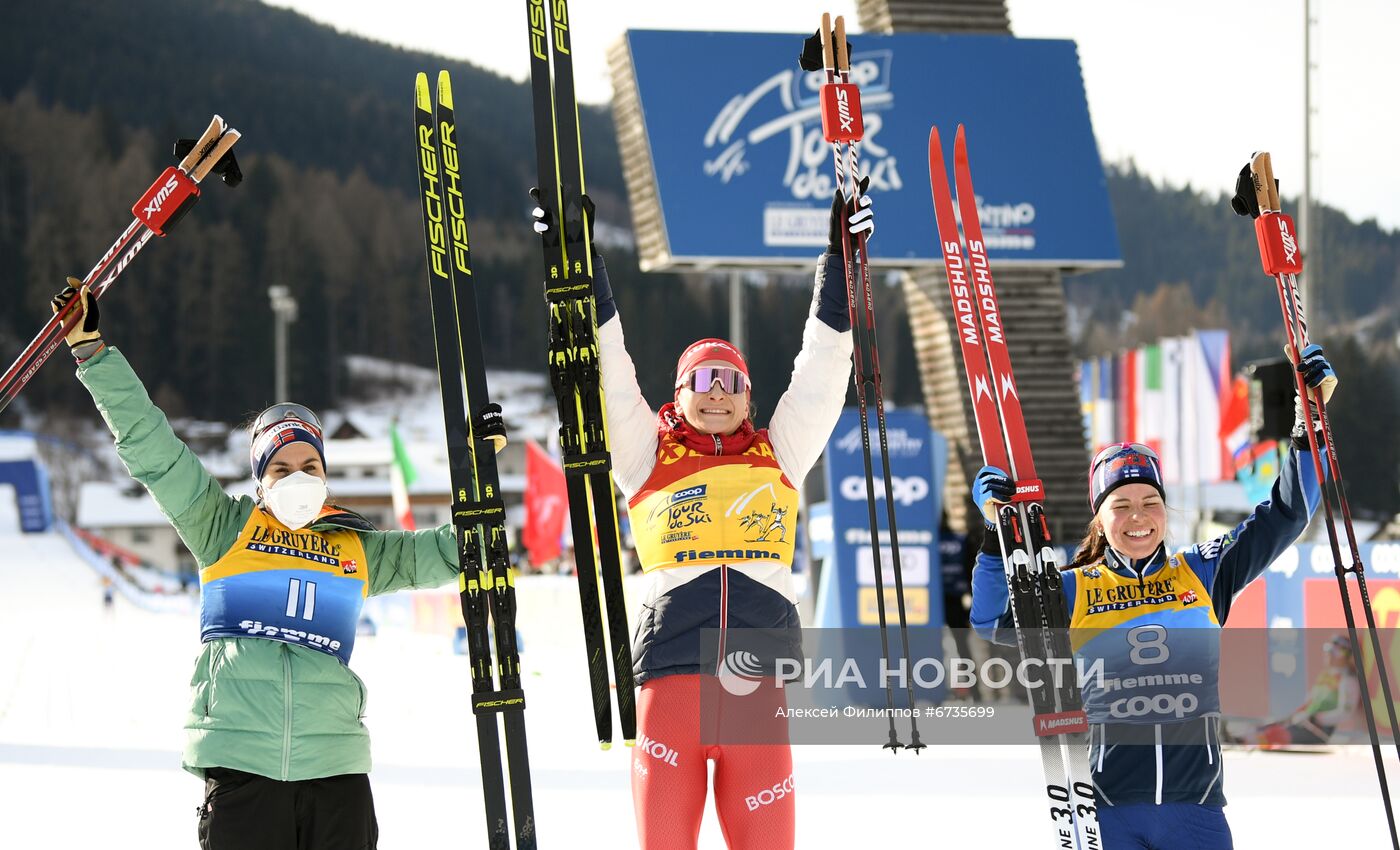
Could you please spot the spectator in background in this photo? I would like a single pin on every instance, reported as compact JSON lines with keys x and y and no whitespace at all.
{"x":956,"y":559}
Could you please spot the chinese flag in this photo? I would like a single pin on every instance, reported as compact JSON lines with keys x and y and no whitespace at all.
{"x":546,"y":504}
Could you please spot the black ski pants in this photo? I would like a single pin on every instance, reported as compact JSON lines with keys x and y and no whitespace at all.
{"x":243,"y":811}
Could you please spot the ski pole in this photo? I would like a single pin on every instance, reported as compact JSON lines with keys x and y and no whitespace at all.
{"x":843,"y":128}
{"x":1282,"y":259}
{"x":158,"y":209}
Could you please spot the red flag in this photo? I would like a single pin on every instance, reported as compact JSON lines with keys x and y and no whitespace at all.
{"x":1234,"y":420}
{"x":546,"y":504}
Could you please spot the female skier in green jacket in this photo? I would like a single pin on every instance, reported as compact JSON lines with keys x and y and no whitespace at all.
{"x":275,"y":724}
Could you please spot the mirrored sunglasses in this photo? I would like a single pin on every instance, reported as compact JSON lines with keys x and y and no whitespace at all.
{"x":703,"y":378}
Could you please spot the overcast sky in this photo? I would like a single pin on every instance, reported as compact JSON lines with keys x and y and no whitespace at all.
{"x":1185,"y":89}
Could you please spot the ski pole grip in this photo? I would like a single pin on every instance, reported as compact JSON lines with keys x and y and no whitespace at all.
{"x":1265,"y":189}
{"x":224,"y":145}
{"x":828,"y":58}
{"x":1278,"y":242}
{"x":843,"y":61}
{"x":211,"y":135}
{"x":840,"y":102}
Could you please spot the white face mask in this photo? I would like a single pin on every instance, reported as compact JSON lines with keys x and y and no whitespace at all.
{"x":296,"y":499}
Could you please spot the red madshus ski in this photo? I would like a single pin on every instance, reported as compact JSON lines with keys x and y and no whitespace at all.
{"x":1032,"y":573}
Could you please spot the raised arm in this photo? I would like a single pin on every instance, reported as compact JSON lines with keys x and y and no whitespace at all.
{"x":206,"y":517}
{"x":1242,"y":554}
{"x":631,"y":422}
{"x":807,"y":412}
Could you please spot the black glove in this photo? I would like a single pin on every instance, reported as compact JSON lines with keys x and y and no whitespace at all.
{"x":602,"y":290}
{"x":489,"y":425}
{"x":842,"y":219}
{"x":545,"y":220}
{"x":85,"y":331}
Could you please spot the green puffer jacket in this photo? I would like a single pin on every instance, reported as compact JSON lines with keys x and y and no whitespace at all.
{"x":262,"y":706}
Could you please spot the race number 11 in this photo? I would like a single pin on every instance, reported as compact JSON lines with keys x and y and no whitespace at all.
{"x":294,"y":599}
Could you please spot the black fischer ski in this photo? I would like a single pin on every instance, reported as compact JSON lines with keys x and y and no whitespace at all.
{"x":487,"y":582}
{"x":156,"y":212}
{"x":573,"y":364}
{"x":1257,"y":196}
{"x":843,"y":127}
{"x":1032,"y":573}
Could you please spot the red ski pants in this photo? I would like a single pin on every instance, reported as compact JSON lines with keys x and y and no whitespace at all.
{"x":753,"y":781}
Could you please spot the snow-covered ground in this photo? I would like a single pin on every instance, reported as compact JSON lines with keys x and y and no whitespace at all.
{"x":91,"y":704}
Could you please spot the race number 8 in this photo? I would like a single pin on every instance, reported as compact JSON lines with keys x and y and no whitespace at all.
{"x":1149,"y":644}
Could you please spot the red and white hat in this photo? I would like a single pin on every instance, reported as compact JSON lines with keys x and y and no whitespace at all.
{"x":704,"y":350}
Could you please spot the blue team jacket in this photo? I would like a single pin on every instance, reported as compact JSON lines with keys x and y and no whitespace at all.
{"x":1154,"y":738}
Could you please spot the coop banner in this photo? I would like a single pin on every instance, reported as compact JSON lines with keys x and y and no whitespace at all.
{"x":915,"y":487}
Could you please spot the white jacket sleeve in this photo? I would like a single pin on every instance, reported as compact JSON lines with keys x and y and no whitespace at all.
{"x":631,"y":423}
{"x":806,"y":414}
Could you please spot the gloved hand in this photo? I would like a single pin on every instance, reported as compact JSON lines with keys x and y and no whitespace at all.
{"x":1317,"y":374}
{"x":85,"y":332}
{"x":489,"y":425}
{"x":545,"y":219}
{"x":602,"y":289}
{"x":862,"y":220}
{"x":992,"y":488}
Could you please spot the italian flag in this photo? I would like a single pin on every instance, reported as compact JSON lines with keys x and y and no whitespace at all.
{"x":401,"y":474}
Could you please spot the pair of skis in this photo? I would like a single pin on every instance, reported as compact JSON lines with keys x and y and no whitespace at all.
{"x":487,"y":582}
{"x":1282,"y":258}
{"x":157,"y":211}
{"x":1032,"y":572}
{"x":574,"y":371}
{"x":843,"y":128}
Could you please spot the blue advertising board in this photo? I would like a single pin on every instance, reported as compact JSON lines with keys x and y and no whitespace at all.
{"x":745,"y":177}
{"x":31,"y":493}
{"x":848,"y":595}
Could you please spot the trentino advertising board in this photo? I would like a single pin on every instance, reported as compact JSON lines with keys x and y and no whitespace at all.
{"x":745,"y":177}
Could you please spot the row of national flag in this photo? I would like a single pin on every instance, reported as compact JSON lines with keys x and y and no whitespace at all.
{"x":1180,"y":397}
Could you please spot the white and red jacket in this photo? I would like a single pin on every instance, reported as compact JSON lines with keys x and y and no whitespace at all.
{"x":715,"y":532}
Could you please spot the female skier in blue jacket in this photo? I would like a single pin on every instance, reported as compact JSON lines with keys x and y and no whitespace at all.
{"x":1152,"y":616}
